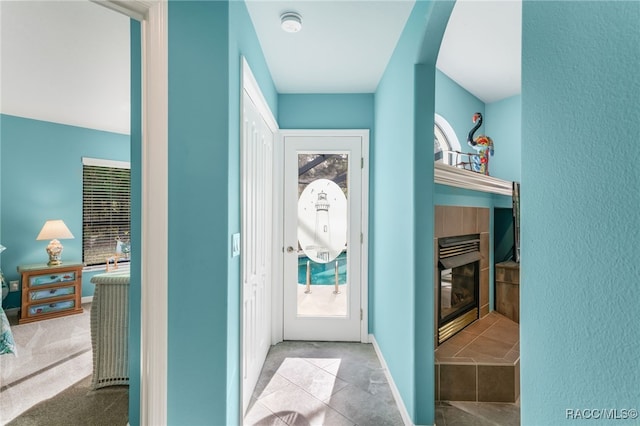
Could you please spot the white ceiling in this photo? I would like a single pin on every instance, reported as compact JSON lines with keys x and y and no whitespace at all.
{"x":65,"y":62}
{"x":340,"y":49}
{"x":344,"y":46}
{"x":481,"y":48}
{"x":68,"y":62}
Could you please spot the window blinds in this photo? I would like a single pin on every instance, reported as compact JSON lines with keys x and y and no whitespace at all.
{"x":106,"y":210}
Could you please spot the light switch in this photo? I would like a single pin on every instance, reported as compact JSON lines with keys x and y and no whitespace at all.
{"x":235,"y":245}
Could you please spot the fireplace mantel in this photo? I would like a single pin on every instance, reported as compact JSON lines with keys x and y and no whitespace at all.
{"x":461,"y":178}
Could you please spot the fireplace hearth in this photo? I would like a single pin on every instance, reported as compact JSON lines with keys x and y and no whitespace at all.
{"x":459,"y":283}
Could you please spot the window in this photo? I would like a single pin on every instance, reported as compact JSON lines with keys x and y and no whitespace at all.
{"x":106,"y":209}
{"x":445,"y":141}
{"x":440,"y":144}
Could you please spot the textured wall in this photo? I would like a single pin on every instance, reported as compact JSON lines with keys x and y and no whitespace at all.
{"x":580,"y":221}
{"x":504,"y":126}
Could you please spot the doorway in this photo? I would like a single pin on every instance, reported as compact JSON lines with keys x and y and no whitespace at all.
{"x":324,"y":217}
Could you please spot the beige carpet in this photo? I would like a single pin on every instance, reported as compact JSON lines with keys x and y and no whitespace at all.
{"x":80,"y":406}
{"x":52,"y":355}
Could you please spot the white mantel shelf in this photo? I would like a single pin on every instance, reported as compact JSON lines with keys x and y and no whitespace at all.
{"x":461,"y":178}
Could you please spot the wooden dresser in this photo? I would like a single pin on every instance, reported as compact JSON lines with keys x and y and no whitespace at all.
{"x":508,"y":289}
{"x":50,"y":291}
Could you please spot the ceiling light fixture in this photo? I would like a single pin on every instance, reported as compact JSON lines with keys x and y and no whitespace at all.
{"x":291,"y":22}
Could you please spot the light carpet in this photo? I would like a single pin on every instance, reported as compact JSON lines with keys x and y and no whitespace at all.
{"x":52,"y":355}
{"x":79,"y":405}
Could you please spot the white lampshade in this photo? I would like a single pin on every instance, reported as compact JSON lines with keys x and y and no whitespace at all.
{"x":54,"y":229}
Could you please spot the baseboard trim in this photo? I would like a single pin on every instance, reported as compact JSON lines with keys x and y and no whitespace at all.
{"x":11,"y":311}
{"x":394,"y":389}
{"x":86,"y":299}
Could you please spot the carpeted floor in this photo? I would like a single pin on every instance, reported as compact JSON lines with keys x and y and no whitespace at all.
{"x":53,"y":368}
{"x":81,"y":406}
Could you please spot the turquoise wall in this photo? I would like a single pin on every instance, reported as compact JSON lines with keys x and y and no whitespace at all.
{"x":504,"y":126}
{"x":135,"y":296}
{"x":206,"y":41}
{"x":198,"y":211}
{"x":457,"y":106}
{"x":502,"y":122}
{"x":326,"y":111}
{"x":391,"y":220}
{"x":31,"y":193}
{"x":401,"y":254}
{"x":580,"y":345}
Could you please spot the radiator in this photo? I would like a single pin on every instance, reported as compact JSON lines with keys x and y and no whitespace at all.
{"x":110,"y":330}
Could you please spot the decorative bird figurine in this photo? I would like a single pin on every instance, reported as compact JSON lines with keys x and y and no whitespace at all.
{"x":483,"y":144}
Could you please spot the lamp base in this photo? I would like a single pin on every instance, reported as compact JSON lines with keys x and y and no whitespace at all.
{"x":54,"y":250}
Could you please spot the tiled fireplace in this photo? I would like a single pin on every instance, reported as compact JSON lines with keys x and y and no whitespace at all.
{"x":454,"y":221}
{"x":480,"y":361}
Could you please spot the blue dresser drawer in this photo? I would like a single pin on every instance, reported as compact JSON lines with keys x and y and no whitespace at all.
{"x":52,"y":292}
{"x":48,"y":308}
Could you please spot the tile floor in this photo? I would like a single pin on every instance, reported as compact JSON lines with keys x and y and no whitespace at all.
{"x":328,"y":383}
{"x":332,"y":383}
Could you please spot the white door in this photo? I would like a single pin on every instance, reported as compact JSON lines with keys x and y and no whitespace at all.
{"x":323,"y":234}
{"x":256,"y":245}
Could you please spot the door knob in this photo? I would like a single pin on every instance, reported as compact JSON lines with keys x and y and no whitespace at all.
{"x":289,"y":249}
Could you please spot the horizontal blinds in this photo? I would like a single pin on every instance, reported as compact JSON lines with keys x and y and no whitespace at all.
{"x":106,"y":213}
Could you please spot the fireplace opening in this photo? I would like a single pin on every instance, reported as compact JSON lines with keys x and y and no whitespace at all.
{"x":458,"y":284}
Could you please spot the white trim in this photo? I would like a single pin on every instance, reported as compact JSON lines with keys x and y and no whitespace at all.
{"x":154,"y":298}
{"x":86,"y":299}
{"x":101,"y":162}
{"x":11,"y":311}
{"x":461,"y":178}
{"x":406,"y":418}
{"x":135,"y":9}
{"x":364,"y":247}
{"x":448,"y":131}
{"x":251,"y":86}
{"x":122,"y":267}
{"x":277,"y":291}
{"x":155,"y":222}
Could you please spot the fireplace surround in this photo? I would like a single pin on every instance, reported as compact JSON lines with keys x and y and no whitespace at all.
{"x":458,"y":284}
{"x":456,"y":221}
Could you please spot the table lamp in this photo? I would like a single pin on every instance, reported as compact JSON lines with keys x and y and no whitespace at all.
{"x":54,"y":230}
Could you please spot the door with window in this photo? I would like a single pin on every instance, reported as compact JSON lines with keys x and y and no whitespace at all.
{"x":324,"y":266}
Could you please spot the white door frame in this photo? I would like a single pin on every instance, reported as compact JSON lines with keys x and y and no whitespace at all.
{"x":278,"y":257}
{"x":154,"y":239}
